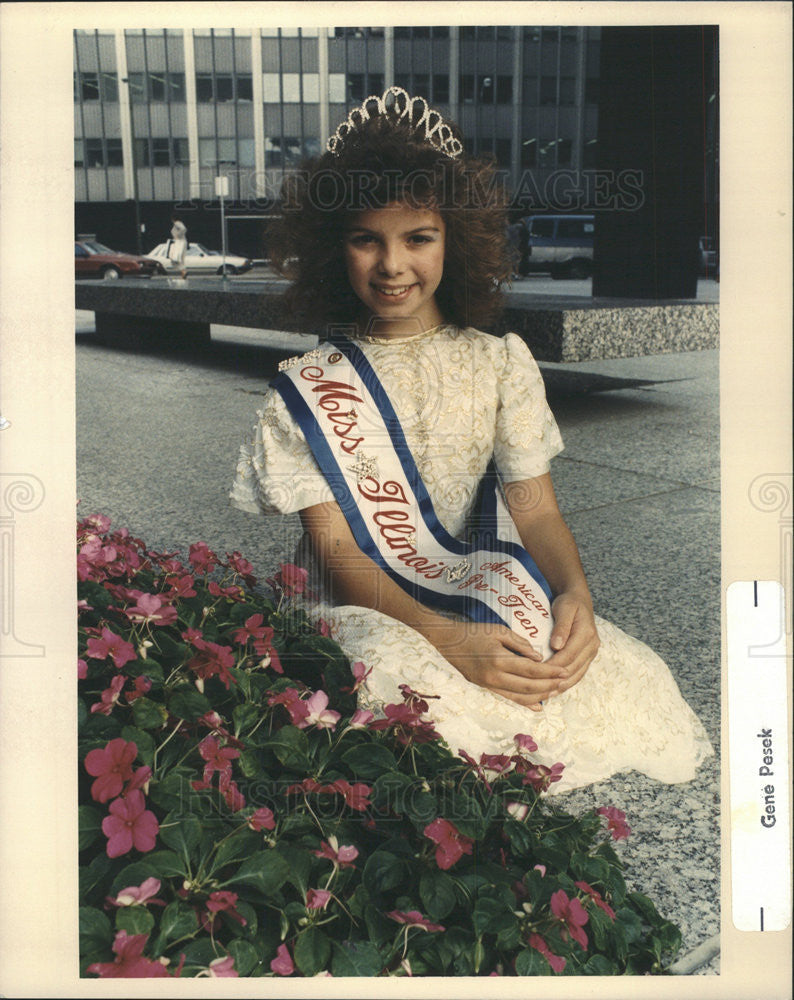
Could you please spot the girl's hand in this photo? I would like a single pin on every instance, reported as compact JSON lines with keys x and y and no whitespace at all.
{"x":494,"y":657}
{"x":574,"y":638}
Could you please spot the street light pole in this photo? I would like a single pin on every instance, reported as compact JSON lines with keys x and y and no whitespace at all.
{"x":135,"y":195}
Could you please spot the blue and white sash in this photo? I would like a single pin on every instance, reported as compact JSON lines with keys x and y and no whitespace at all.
{"x":358,"y":443}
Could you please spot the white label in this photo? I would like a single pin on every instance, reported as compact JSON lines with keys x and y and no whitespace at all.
{"x":759,"y":727}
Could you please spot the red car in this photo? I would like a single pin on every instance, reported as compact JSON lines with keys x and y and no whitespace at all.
{"x":94,"y":260}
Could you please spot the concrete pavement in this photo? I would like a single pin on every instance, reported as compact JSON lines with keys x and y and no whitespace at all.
{"x":157,"y":441}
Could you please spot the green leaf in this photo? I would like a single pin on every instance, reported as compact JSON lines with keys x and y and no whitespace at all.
{"x":189,"y":704}
{"x":89,"y":821}
{"x":250,"y":762}
{"x":199,"y":953}
{"x":384,"y":871}
{"x":169,"y":647}
{"x":178,"y":920}
{"x":148,"y":714}
{"x":96,"y":932}
{"x":245,"y":955}
{"x":134,"y":920}
{"x":132,"y":874}
{"x":291,"y":747}
{"x":437,"y":892}
{"x":491,"y":915}
{"x":299,"y":863}
{"x":356,"y":959}
{"x":631,"y":924}
{"x":92,"y":875}
{"x":265,"y":871}
{"x":142,"y":740}
{"x":236,"y":847}
{"x":646,"y":908}
{"x":182,"y":833}
{"x":531,"y":963}
{"x":245,"y":717}
{"x":599,"y":965}
{"x":369,"y":761}
{"x":166,"y":864}
{"x":312,"y":951}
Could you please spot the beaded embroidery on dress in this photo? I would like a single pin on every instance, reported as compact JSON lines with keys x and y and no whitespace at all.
{"x":461,"y":397}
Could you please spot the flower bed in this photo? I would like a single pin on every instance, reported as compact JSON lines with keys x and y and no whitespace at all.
{"x":240,"y":816}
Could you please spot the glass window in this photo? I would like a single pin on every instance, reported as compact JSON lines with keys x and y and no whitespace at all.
{"x":504,"y":32}
{"x":376,"y":85}
{"x":204,"y":87}
{"x":440,"y":31}
{"x":532,"y":35}
{"x":161,"y":152}
{"x":467,"y":87}
{"x":176,"y":87}
{"x":550,"y":34}
{"x":208,"y":156}
{"x":572,"y":229}
{"x":110,"y":87}
{"x":137,"y":84}
{"x":94,"y":154}
{"x":590,"y":154}
{"x":469,"y":32}
{"x":273,"y":156}
{"x":311,"y":88}
{"x":423,"y":32}
{"x":544,"y":228}
{"x":89,"y":86}
{"x":181,"y":151}
{"x":114,"y":157}
{"x":504,"y":90}
{"x":504,"y":152}
{"x":79,"y":154}
{"x":291,"y":83}
{"x":271,"y":88}
{"x":564,"y":152}
{"x":548,"y":90}
{"x":567,"y":89}
{"x":403,"y":80}
{"x":245,"y":87}
{"x":227,"y":151}
{"x":157,"y":88}
{"x":421,"y":84}
{"x":224,"y":88}
{"x":355,"y":86}
{"x":246,"y":152}
{"x":141,"y":147}
{"x":546,"y":153}
{"x":529,"y":149}
{"x":591,"y":90}
{"x":441,"y":87}
{"x":336,"y":88}
{"x":486,"y":89}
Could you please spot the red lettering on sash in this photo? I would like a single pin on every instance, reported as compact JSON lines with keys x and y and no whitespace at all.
{"x":389,"y":490}
{"x":329,"y":399}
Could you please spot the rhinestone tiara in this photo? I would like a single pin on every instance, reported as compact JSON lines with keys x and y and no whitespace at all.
{"x":399,"y":106}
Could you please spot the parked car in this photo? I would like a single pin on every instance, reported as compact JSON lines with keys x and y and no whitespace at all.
{"x":94,"y":260}
{"x":560,"y":244}
{"x":707,"y":257}
{"x":199,"y":259}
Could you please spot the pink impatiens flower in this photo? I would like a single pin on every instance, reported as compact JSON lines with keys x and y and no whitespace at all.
{"x":138,"y":895}
{"x":110,"y":645}
{"x":111,"y":766}
{"x":152,"y":608}
{"x":290,"y":580}
{"x":212,"y":660}
{"x":557,"y":962}
{"x":242,"y":567}
{"x":223,"y":902}
{"x":109,"y":697}
{"x":452,"y":844}
{"x":616,"y":822}
{"x":291,"y":700}
{"x":361,"y":718}
{"x":540,"y":776}
{"x":413,"y":918}
{"x":524,"y":742}
{"x":282,"y":964}
{"x":202,"y":558}
{"x":318,"y":713}
{"x":130,"y":824}
{"x":572,"y":915}
{"x":218,"y":759}
{"x":222,"y":968}
{"x":342,"y":856}
{"x":82,"y":670}
{"x":130,"y":962}
{"x":355,"y":796}
{"x":597,"y":898}
{"x":317,"y":899}
{"x":262,"y":819}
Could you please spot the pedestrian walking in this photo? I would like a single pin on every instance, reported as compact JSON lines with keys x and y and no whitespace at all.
{"x":178,"y":249}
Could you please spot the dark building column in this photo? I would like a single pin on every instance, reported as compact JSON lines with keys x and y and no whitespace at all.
{"x":651,"y":133}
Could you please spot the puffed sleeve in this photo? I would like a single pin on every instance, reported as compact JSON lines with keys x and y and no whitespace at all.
{"x":527,"y":436}
{"x":276,"y":471}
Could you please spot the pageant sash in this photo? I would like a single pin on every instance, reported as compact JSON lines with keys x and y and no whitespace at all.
{"x":358,"y":443}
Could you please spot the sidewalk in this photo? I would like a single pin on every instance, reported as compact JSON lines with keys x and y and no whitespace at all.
{"x":638,"y":482}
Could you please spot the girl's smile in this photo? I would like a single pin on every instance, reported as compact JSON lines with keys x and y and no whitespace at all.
{"x":395,"y":262}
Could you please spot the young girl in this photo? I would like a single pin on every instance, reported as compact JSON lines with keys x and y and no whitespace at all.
{"x":417,"y":449}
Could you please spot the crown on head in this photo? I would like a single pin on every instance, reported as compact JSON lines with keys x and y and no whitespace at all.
{"x":397,"y":105}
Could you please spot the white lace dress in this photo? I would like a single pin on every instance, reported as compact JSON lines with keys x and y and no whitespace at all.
{"x":463,"y":396}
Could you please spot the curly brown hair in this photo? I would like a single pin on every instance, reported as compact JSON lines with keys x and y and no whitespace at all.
{"x":385,"y":161}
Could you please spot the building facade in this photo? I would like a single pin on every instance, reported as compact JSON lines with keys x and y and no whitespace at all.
{"x":159,"y":114}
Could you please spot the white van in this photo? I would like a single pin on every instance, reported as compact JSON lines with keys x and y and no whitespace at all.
{"x":560,"y":244}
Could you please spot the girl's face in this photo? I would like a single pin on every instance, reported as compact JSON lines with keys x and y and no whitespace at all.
{"x":395,"y":261}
